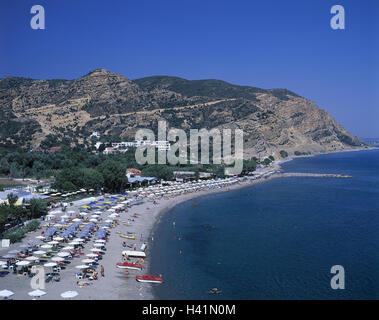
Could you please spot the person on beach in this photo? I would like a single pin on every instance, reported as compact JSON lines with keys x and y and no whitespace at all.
{"x":102,"y":271}
{"x":82,"y":283}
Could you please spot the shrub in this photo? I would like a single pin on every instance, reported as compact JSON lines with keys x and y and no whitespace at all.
{"x":283,"y":154}
{"x":32,"y":226}
{"x":16,"y":236}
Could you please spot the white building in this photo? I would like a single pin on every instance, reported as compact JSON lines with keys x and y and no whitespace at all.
{"x":160,"y":145}
{"x":95,"y":134}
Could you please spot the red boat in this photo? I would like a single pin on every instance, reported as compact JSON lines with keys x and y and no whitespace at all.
{"x":147,"y":278}
{"x":128,"y":265}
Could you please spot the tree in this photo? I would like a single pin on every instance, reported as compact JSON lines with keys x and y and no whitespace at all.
{"x":113,"y":173}
{"x":283,"y":153}
{"x":91,"y":179}
{"x":12,"y":199}
{"x":37,"y":208}
{"x":160,"y":171}
{"x":267,"y":161}
{"x":249,"y":166}
{"x":101,"y":148}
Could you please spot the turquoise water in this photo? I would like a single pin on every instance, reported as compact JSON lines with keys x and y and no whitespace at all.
{"x":278,"y":239}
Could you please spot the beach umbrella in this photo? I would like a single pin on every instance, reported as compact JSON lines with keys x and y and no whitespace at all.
{"x":96,"y":250}
{"x":88,"y":261}
{"x":93,"y":255}
{"x":46,"y":246}
{"x":39,"y":252}
{"x":83,"y":213}
{"x":68,"y":248}
{"x":76,"y":220}
{"x":57,"y":259}
{"x":31,"y":258}
{"x":82,"y":267}
{"x":78,"y":240}
{"x":53,"y":242}
{"x":98,"y":244}
{"x":40,"y":237}
{"x":50,"y":264}
{"x":58,"y":238}
{"x":63,"y":254}
{"x":6,"y":293}
{"x":36,"y":293}
{"x":71,"y":211}
{"x":93,"y":220}
{"x":100,"y":241}
{"x":23,"y":263}
{"x":69,"y":294}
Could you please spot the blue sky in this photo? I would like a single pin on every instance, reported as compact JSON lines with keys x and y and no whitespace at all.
{"x":268,"y":44}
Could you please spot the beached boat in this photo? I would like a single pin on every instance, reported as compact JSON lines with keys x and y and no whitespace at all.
{"x":128,"y":265}
{"x":148,"y":278}
{"x":127,"y":237}
{"x":134,"y":253}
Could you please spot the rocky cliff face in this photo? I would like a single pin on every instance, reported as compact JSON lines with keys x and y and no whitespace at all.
{"x":55,"y":111}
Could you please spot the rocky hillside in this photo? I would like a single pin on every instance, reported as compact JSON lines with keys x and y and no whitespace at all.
{"x":51,"y":112}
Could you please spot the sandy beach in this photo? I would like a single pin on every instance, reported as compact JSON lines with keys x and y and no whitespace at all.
{"x":114,"y":285}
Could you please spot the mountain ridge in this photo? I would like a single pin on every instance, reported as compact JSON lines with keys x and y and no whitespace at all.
{"x":47,"y":112}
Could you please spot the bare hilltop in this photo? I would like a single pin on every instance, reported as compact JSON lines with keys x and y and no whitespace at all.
{"x":38,"y":112}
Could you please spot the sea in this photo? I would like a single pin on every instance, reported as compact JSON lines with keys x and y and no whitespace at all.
{"x":278,"y":239}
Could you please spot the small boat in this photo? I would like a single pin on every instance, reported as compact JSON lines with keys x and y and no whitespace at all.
{"x":127,"y":237}
{"x":128,"y":265}
{"x":147,"y":278}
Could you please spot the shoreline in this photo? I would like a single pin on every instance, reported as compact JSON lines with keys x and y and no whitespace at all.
{"x":115,"y":285}
{"x":204,"y":193}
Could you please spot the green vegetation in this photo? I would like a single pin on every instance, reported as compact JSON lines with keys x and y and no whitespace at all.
{"x":249,"y":166}
{"x":159,"y":171}
{"x":71,"y":179}
{"x":208,"y":88}
{"x":298,"y":153}
{"x":283,"y":154}
{"x":268,"y":160}
{"x":17,"y":235}
{"x":76,"y":169}
{"x":12,"y":214}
